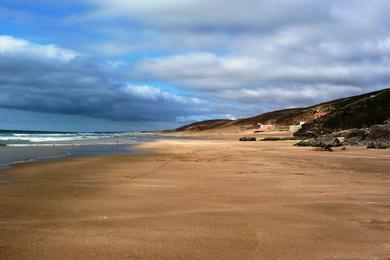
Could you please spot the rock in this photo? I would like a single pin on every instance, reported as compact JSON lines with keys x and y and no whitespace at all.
{"x":355,"y":136}
{"x":380,"y":132}
{"x":375,"y":137}
{"x":247,"y":138}
{"x":356,"y":133}
{"x":328,"y":148}
{"x":341,"y":139}
{"x":379,"y":137}
{"x":323,"y":149}
{"x":304,"y":143}
{"x":324,"y":141}
{"x":271,"y":138}
{"x":378,"y":145}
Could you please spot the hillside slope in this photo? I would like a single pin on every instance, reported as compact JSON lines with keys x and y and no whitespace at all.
{"x":351,"y":112}
{"x":357,"y":112}
{"x":205,"y":125}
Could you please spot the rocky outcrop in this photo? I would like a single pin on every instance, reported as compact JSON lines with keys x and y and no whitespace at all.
{"x":324,"y":141}
{"x":377,"y":137}
{"x":356,"y":137}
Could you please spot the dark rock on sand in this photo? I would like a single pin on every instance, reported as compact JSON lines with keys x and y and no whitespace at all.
{"x":246,"y":138}
{"x":272,"y":138}
{"x":325,"y":141}
{"x":377,"y":137}
{"x":356,"y":137}
{"x":378,"y":145}
{"x":324,"y":149}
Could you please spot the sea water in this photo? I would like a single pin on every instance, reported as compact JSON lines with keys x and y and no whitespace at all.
{"x":27,"y":146}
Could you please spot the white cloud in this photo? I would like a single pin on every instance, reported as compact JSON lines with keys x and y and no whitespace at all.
{"x":14,"y":46}
{"x":153,"y":93}
{"x":211,"y":72}
{"x":192,"y":68}
{"x":203,"y":14}
{"x":303,"y":95}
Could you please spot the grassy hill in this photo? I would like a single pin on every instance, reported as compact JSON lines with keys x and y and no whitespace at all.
{"x":351,"y":112}
{"x":205,"y":125}
{"x":354,"y":112}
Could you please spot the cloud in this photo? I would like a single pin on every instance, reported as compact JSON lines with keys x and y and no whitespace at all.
{"x":201,"y":15}
{"x":47,"y":78}
{"x":304,"y":95}
{"x":256,"y":45}
{"x":260,"y":46}
{"x":153,"y":93}
{"x":218,"y":57}
{"x":213,"y":73}
{"x":10,"y":46}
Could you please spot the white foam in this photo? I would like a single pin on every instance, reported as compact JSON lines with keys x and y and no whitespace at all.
{"x":24,"y":139}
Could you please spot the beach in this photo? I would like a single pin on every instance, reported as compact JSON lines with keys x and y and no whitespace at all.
{"x":212,"y":198}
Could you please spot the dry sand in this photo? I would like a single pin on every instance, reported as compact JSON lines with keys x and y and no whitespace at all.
{"x":201,"y":199}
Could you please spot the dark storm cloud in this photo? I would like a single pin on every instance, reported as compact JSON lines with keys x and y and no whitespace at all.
{"x":46,"y":78}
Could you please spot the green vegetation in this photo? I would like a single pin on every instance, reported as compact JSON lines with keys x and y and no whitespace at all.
{"x":374,"y":109}
{"x":205,"y":125}
{"x":362,"y":111}
{"x":345,"y":113}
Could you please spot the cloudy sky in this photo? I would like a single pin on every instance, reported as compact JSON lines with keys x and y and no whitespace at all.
{"x":148,"y":64}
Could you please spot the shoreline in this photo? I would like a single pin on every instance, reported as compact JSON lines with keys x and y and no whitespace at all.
{"x":200,"y":199}
{"x":68,"y":153}
{"x":58,"y":151}
{"x":126,"y":149}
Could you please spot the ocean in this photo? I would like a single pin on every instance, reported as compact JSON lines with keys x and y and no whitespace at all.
{"x":27,"y":146}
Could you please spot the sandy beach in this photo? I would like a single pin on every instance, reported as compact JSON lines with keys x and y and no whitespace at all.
{"x":200,"y":199}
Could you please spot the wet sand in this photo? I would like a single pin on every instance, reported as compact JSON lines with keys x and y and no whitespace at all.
{"x":200,"y":199}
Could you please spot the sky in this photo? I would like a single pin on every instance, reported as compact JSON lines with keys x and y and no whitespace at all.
{"x":117,"y":65}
